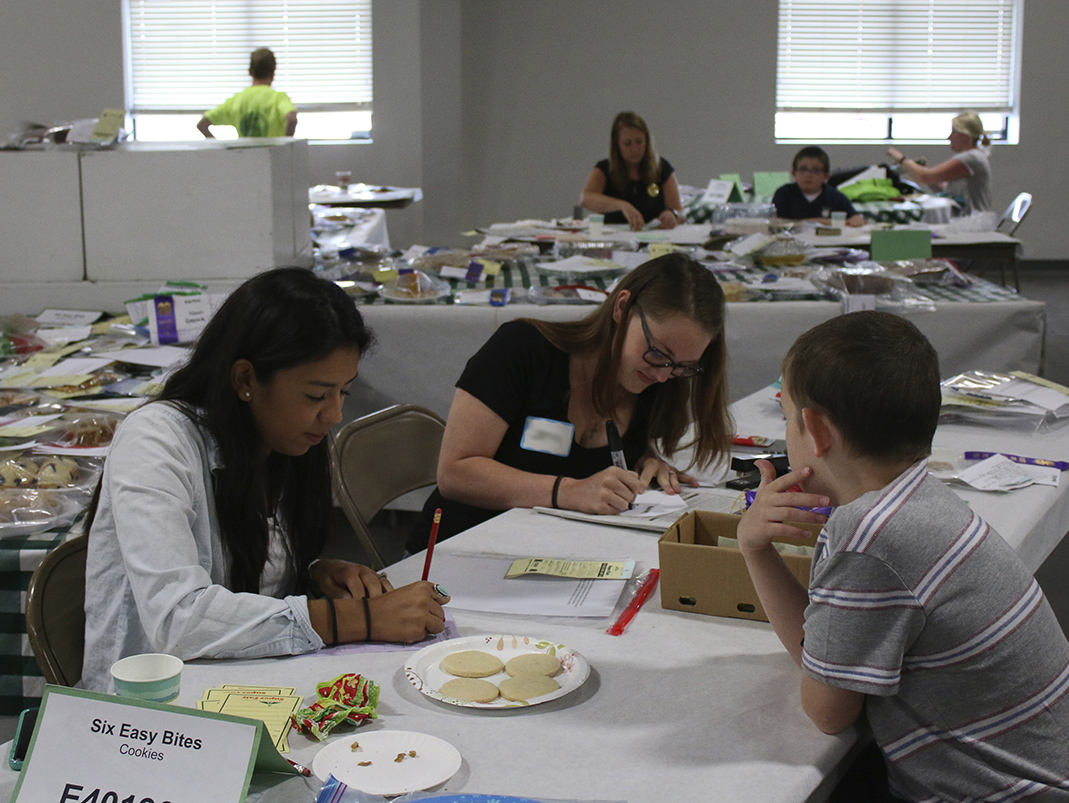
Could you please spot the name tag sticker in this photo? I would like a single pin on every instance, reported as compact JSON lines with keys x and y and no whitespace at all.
{"x":547,"y":436}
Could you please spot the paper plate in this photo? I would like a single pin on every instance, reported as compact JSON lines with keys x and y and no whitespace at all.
{"x":435,"y":762}
{"x":424,"y":672}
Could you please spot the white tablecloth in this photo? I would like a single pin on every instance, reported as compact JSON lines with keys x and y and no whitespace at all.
{"x":421,"y":351}
{"x":681,"y":707}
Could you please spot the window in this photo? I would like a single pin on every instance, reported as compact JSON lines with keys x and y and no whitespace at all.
{"x":184,"y":57}
{"x":880,"y":70}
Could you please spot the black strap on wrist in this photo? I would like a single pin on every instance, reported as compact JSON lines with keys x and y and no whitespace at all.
{"x":556,"y":490}
{"x":367,"y":619}
{"x":333,"y":622}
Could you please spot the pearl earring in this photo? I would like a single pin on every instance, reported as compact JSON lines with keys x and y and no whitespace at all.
{"x":248,"y":395}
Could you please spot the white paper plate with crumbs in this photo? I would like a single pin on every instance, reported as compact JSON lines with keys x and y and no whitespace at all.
{"x":424,"y":670}
{"x":382,"y":763}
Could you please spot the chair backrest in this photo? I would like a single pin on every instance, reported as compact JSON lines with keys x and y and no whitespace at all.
{"x":1014,"y":214}
{"x":380,"y":457}
{"x":55,"y":612}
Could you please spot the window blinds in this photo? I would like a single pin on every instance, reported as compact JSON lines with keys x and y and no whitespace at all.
{"x":898,"y":55}
{"x":189,"y":55}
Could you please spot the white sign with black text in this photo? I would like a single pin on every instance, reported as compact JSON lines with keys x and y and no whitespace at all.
{"x":94,"y":748}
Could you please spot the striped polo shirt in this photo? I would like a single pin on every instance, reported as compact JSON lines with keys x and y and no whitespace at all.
{"x":916,"y":602}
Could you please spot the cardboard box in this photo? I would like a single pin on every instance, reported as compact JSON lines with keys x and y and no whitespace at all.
{"x":700,"y":575}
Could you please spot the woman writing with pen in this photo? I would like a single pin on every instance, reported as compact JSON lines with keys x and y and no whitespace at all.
{"x":207,"y":526}
{"x":527,"y":423}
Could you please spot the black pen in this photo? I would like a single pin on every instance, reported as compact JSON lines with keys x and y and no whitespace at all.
{"x":616,"y":446}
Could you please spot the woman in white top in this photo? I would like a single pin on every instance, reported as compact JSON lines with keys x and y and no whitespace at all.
{"x":213,"y":506}
{"x":967,"y":174}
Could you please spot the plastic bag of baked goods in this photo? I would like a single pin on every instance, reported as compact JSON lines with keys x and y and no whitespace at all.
{"x":23,"y":512}
{"x":893,"y":293}
{"x":48,"y":472}
{"x":88,"y":430}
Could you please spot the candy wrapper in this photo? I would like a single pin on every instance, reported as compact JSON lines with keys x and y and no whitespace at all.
{"x":824,"y":511}
{"x":347,"y":698}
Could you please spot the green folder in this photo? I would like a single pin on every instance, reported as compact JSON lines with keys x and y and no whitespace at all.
{"x":736,"y":191}
{"x":765,"y":184}
{"x":890,"y":246}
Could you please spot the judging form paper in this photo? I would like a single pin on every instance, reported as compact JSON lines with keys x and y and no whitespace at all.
{"x":478,"y":583}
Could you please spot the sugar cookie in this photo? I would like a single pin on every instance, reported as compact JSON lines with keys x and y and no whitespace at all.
{"x":525,"y":687}
{"x":533,"y":663}
{"x":470,"y":690}
{"x":471,"y":664}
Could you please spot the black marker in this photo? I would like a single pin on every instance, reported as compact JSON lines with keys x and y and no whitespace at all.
{"x":616,"y":449}
{"x":616,"y":446}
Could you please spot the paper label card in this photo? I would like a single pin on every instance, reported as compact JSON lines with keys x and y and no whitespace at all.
{"x":67,"y":317}
{"x":575,"y":569}
{"x":108,"y":125}
{"x":718,"y":192}
{"x":96,"y":747}
{"x":660,"y":249}
{"x":856,"y":302}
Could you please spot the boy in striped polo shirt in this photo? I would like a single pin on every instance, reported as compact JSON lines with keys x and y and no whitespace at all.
{"x":918,"y":615}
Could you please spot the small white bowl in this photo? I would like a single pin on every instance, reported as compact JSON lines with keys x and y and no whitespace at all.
{"x":155,"y":677}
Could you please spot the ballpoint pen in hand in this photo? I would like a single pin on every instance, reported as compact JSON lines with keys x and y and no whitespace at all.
{"x":645,"y":588}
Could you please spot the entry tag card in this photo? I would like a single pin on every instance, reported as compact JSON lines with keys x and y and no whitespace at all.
{"x":67,"y":317}
{"x":179,"y":318}
{"x":718,"y":192}
{"x":95,"y":747}
{"x":547,"y":436}
{"x":573,"y":569}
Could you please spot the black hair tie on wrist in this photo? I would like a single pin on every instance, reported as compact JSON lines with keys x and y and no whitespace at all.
{"x":556,"y":489}
{"x":367,"y":619}
{"x":333,"y":622}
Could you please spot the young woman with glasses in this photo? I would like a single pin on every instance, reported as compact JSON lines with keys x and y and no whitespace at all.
{"x":527,"y":424}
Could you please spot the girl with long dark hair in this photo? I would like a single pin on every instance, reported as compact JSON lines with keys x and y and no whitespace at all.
{"x":213,"y":506}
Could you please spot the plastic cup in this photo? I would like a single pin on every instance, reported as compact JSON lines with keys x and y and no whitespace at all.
{"x":343,"y":177}
{"x":155,"y":677}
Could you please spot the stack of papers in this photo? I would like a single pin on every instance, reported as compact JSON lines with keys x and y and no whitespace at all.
{"x":998,"y":473}
{"x":271,"y":705}
{"x":1005,"y":398}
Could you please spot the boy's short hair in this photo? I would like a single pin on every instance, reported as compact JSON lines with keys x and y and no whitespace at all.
{"x":875,"y":376}
{"x":812,"y":152}
{"x":262,"y":63}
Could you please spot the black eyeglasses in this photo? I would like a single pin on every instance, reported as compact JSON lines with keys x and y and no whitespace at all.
{"x":658,"y":359}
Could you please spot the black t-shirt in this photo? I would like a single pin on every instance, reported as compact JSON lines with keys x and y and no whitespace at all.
{"x":636,"y":193}
{"x":519,"y":374}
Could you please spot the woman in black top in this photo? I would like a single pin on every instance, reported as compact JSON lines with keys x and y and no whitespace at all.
{"x":633,"y":185}
{"x":527,"y":424}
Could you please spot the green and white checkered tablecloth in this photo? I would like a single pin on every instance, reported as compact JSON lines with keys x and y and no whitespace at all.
{"x":873,"y":211}
{"x":21,"y":683}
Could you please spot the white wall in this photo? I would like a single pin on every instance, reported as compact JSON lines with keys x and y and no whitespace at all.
{"x":543,"y":80}
{"x":499,"y":109}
